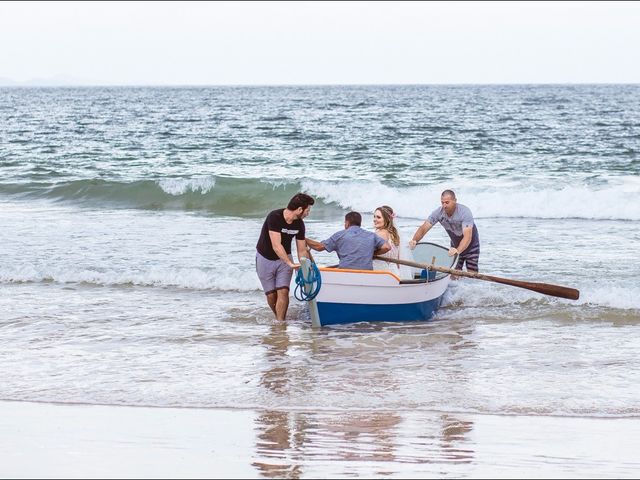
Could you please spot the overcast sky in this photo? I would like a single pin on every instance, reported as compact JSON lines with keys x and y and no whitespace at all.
{"x":265,"y":43}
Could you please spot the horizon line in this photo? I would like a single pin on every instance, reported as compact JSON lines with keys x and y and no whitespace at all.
{"x":262,"y":85}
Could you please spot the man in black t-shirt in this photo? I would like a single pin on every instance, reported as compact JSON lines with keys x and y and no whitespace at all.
{"x":274,"y":262}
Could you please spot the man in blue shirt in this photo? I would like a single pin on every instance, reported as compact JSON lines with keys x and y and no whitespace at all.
{"x":355,"y":247}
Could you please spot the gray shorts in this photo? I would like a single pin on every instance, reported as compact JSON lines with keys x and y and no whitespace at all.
{"x":273,"y":274}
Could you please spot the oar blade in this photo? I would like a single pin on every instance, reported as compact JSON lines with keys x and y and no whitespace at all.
{"x":544,"y":288}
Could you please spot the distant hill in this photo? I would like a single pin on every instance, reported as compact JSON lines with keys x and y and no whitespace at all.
{"x":56,"y":81}
{"x":7,"y":82}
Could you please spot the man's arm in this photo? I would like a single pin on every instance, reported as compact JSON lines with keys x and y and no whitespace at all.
{"x":421,"y":232}
{"x":383,"y":249}
{"x":276,"y":243}
{"x":301,"y":247}
{"x":467,"y":233}
{"x":317,"y":246}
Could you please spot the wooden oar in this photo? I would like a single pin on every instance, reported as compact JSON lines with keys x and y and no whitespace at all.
{"x":545,"y":288}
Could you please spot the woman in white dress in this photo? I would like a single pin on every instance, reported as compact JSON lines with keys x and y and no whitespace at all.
{"x":385,"y":228}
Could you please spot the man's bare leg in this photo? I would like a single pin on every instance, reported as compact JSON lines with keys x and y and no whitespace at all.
{"x":282,"y":303}
{"x":271,"y":300}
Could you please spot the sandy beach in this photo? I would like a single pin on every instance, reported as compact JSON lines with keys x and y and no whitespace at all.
{"x":40,"y":440}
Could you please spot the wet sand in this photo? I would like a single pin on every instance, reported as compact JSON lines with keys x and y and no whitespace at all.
{"x":95,"y":441}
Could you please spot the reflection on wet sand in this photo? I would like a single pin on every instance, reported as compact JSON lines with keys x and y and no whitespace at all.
{"x":454,"y":430}
{"x":362,"y":436}
{"x":290,"y":444}
{"x":275,"y":378}
{"x":281,"y":434}
{"x":453,"y":437}
{"x":279,"y":444}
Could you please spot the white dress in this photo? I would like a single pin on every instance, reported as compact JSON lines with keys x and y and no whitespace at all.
{"x":393,"y":253}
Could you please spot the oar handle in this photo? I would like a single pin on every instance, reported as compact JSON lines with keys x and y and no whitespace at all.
{"x":545,"y":288}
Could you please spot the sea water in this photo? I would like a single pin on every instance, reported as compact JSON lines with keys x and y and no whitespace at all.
{"x":129,"y":221}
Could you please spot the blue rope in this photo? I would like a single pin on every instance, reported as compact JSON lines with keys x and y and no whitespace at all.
{"x":301,"y":281}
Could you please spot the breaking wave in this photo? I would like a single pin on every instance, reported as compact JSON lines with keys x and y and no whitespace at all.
{"x":616,"y":199}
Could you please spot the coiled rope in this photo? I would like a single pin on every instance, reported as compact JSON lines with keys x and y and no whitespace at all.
{"x":313,"y":278}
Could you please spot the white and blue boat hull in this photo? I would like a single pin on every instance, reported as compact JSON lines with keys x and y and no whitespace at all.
{"x":350,"y":296}
{"x":331,"y":313}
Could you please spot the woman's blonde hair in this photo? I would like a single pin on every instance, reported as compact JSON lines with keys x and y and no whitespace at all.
{"x":387,"y":217}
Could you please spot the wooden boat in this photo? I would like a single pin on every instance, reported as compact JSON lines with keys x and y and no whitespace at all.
{"x":349,"y":296}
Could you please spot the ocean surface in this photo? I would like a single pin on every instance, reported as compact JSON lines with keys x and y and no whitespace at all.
{"x":129,"y":218}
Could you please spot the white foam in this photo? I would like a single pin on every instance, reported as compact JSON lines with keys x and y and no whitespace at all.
{"x":230,"y":279}
{"x":466,"y":292}
{"x":472,"y":293}
{"x":616,"y":199}
{"x":180,"y":186}
{"x":627,"y":298}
